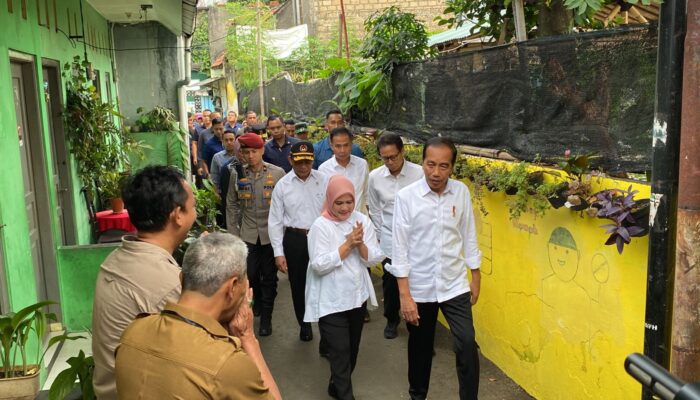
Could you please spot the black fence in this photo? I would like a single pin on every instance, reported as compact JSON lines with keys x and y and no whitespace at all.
{"x":590,"y":92}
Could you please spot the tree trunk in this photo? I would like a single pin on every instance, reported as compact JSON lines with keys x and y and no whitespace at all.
{"x":554,"y":19}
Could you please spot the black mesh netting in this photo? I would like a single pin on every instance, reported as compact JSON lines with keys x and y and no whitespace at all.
{"x":585,"y":92}
{"x":298,"y":98}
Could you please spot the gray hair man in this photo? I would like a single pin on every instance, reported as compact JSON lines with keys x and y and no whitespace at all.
{"x":203,"y":346}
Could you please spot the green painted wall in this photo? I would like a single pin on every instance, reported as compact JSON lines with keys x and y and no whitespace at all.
{"x":77,"y":271}
{"x":28,"y":37}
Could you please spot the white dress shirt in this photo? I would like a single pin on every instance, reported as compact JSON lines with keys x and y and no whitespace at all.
{"x":334,"y":285}
{"x":295,"y":204}
{"x":357,"y":171}
{"x":434,"y":240}
{"x":381,"y":191}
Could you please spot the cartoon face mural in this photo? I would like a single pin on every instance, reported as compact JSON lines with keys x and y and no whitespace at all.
{"x":563,"y":254}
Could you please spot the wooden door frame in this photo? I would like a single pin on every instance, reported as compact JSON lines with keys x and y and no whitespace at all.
{"x":59,"y":143}
{"x":42,"y":171}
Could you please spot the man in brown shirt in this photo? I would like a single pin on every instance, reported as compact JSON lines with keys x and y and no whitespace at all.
{"x":141,"y":275}
{"x":185,"y":351}
{"x":247,"y":208}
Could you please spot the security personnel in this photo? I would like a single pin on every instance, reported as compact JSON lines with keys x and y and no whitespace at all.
{"x":296,"y":203}
{"x":247,"y":208}
{"x":301,"y":131}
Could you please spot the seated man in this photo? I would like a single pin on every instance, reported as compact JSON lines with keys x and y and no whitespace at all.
{"x":141,"y":275}
{"x":187,"y":351}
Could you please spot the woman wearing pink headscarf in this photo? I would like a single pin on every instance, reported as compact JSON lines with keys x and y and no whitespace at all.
{"x":342,"y":245}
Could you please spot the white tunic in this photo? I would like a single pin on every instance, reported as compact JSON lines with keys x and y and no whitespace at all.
{"x":334,"y":285}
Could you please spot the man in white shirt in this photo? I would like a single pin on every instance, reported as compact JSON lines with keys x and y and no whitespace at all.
{"x":384,"y":182}
{"x":434,"y":241}
{"x":346,"y":164}
{"x":297,"y":201}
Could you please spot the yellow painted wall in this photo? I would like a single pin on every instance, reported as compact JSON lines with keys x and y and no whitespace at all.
{"x":560,"y":320}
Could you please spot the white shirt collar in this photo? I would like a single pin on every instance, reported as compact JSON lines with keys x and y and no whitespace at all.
{"x":425,"y":189}
{"x":386,"y":173}
{"x":312,"y":175}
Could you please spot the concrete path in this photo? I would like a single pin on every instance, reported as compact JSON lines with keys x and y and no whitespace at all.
{"x":381,"y":371}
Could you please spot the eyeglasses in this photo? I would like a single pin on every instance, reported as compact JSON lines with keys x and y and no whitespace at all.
{"x":391,"y":158}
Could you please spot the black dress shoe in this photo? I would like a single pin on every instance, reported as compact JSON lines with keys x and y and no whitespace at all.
{"x":306,"y":334}
{"x":333,"y":392}
{"x":391,"y":331}
{"x":265,"y":328}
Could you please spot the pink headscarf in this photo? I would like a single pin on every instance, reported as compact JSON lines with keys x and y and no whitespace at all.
{"x":338,"y":186}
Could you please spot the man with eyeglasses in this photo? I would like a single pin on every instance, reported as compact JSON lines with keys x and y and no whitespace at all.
{"x":384,"y":182}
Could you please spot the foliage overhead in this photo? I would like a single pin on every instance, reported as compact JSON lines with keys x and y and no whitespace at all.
{"x":492,"y":17}
{"x":241,"y":42}
{"x":200,"y":42}
{"x":394,"y":36}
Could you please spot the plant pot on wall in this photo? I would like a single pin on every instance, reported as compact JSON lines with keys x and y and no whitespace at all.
{"x":22,"y":387}
{"x":559,"y":198}
{"x":117,"y":204}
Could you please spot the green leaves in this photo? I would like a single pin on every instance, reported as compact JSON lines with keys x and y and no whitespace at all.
{"x":394,"y":36}
{"x":15,"y":331}
{"x":79,"y":374}
{"x":582,"y":7}
{"x":94,"y":138}
{"x":362,"y":87}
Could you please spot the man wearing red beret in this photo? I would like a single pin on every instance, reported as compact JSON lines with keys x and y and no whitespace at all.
{"x":247,"y":208}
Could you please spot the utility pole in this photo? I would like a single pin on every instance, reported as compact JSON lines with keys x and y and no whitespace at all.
{"x":261,"y":87}
{"x":685,"y":336}
{"x":664,"y":184}
{"x":519,"y":15}
{"x":345,"y":30}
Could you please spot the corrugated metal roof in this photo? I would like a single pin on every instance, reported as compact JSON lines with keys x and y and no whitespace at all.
{"x":452,"y":34}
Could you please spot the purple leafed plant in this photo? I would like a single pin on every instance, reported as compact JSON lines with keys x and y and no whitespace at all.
{"x":620,"y":207}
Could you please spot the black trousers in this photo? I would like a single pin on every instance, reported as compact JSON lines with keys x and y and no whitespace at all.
{"x":262,"y":275}
{"x":296,"y":252}
{"x":342,"y":332}
{"x":390,"y":288}
{"x":458,"y":312}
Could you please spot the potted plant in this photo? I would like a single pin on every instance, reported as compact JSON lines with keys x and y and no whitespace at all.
{"x":578,"y":193}
{"x":162,"y":141}
{"x":630,"y":217}
{"x":96,"y":141}
{"x":110,"y":184}
{"x":557,"y":197}
{"x":20,"y":377}
{"x":74,"y":382}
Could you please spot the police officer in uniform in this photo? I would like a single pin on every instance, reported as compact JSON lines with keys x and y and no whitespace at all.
{"x":247,"y":207}
{"x":296,"y":203}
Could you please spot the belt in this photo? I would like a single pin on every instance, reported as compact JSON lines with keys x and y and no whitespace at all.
{"x":298,"y":230}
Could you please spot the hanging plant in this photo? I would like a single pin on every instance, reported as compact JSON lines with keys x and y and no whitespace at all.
{"x":94,"y":139}
{"x":630,"y":217}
